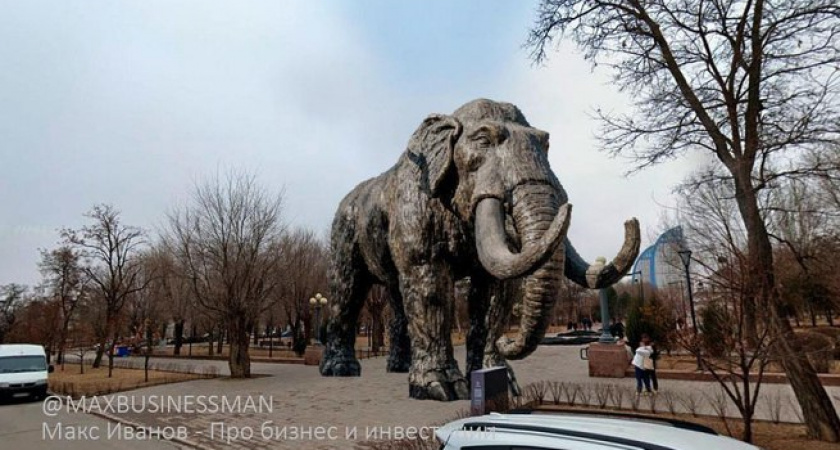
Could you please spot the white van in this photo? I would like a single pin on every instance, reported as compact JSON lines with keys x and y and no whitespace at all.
{"x":23,"y":371}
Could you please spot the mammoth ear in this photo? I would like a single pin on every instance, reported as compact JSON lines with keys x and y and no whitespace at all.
{"x":431,"y":147}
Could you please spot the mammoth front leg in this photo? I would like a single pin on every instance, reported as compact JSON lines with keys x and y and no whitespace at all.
{"x":478,"y":302}
{"x":498,"y":314}
{"x":428,"y":295}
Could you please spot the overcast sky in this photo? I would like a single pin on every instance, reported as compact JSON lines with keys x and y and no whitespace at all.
{"x":130,"y":103}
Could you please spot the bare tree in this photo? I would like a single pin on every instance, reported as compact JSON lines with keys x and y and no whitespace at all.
{"x":66,"y":282}
{"x":302,"y":273}
{"x":109,"y":249}
{"x":735,"y":351}
{"x":805,"y":226}
{"x":375,"y":311}
{"x":227,"y":242}
{"x":146,"y":306}
{"x":11,"y":299}
{"x":171,"y":288}
{"x":745,"y":80}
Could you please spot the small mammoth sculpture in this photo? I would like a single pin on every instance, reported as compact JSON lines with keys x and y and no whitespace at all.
{"x":472,"y":196}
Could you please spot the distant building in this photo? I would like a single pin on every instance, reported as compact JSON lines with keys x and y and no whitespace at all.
{"x":659,"y":264}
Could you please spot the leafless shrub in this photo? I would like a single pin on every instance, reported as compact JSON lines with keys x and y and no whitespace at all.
{"x":557,"y":388}
{"x":797,"y":410}
{"x":774,"y":406}
{"x":585,"y":392}
{"x":691,"y":402}
{"x":572,"y":393}
{"x":537,"y":391}
{"x":652,"y":403}
{"x":618,"y":395}
{"x":603,"y":394}
{"x":635,"y":401}
{"x":720,"y":403}
{"x":670,"y":400}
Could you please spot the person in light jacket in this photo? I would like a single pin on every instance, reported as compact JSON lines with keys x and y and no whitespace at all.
{"x":642,"y":358}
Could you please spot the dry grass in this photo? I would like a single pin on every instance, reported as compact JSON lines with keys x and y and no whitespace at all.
{"x":96,"y":382}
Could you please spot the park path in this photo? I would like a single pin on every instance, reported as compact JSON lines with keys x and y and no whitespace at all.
{"x":302,"y":401}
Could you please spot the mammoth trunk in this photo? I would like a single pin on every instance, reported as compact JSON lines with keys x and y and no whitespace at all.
{"x":534,"y":209}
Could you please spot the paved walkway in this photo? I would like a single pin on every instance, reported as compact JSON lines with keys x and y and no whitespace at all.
{"x":301,"y":401}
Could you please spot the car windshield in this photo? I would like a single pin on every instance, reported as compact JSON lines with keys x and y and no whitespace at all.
{"x":14,"y":364}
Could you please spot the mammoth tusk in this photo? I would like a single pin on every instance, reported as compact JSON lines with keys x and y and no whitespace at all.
{"x":492,"y":247}
{"x":599,"y":276}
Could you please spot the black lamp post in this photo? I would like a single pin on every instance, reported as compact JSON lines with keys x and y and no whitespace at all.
{"x":318,"y":301}
{"x":641,"y":282}
{"x":685,"y":256}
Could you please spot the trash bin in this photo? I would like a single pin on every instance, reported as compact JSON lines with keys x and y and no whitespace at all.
{"x":122,"y":351}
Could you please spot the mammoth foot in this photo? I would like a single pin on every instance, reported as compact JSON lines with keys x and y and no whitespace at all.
{"x":438,"y":384}
{"x":339,"y":364}
{"x":398,"y":363}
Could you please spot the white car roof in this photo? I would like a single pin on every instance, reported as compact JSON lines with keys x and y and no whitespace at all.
{"x":588,"y":432}
{"x":21,"y":350}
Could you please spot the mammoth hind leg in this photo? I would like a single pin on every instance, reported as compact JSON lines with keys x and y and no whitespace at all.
{"x":399,"y":358}
{"x":349,"y":286}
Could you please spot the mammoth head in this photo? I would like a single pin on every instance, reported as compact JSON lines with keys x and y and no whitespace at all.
{"x":490,"y":165}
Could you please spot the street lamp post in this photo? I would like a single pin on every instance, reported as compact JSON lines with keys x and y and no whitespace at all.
{"x":317,"y":302}
{"x":640,"y":280}
{"x":685,"y":256}
{"x":606,"y":336}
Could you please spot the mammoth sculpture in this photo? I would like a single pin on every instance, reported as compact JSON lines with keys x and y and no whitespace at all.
{"x":472,"y":196}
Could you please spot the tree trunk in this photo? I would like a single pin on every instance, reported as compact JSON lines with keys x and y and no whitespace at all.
{"x":747,"y":435}
{"x":378,"y":332}
{"x":97,"y":360}
{"x":818,"y":411}
{"x":111,"y":358}
{"x":179,"y":336}
{"x":109,"y":327}
{"x":148,"y":353}
{"x":221,"y":339}
{"x":211,"y":342}
{"x":239,"y":361}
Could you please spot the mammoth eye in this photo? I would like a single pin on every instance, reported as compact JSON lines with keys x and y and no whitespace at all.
{"x":484,"y":137}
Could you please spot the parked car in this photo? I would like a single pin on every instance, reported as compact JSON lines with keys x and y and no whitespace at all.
{"x":580,"y":431}
{"x":23,"y":371}
{"x":578,"y":337}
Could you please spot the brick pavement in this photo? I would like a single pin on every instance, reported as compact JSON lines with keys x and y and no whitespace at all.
{"x":302,"y":400}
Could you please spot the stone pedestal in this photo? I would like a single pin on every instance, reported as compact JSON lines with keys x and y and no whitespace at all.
{"x":607,"y":360}
{"x":312,"y":356}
